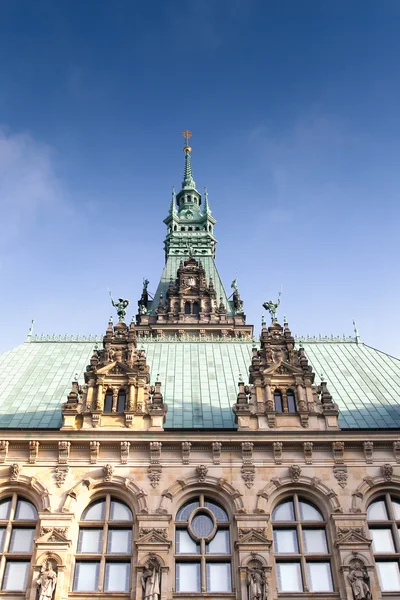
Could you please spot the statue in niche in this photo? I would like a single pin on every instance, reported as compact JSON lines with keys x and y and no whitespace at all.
{"x":359,"y":581}
{"x":47,"y":581}
{"x":257,"y":584}
{"x":151,"y":581}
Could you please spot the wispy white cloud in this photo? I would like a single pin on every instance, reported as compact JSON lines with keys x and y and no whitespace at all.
{"x":29,"y":185}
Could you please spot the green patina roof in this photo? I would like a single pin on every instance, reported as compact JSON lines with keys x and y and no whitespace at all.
{"x":199,"y":381}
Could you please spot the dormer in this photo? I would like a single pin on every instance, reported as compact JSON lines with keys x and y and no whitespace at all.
{"x":117,"y":392}
{"x":282,"y":393}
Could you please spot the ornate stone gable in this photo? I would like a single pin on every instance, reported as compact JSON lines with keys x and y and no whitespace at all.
{"x":117,"y":391}
{"x":282,"y":391}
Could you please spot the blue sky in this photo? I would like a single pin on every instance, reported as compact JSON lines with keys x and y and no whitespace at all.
{"x":294,"y":109}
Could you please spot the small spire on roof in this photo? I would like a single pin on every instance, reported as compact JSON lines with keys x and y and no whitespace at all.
{"x":30,"y":332}
{"x":207,"y":210}
{"x":356,"y":333}
{"x":172,"y":210}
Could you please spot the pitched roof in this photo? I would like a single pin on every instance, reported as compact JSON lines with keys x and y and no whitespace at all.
{"x":199,"y":381}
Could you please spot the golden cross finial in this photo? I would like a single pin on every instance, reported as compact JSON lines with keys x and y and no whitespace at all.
{"x":187,"y":134}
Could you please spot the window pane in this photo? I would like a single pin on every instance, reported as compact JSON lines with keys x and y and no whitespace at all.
{"x":291,"y":402}
{"x":117,"y":577}
{"x":2,"y":534}
{"x":25,"y":510}
{"x":382,"y":540}
{"x":90,"y":540}
{"x":21,"y":540}
{"x":95,"y":512}
{"x":16,"y":576}
{"x":289,"y":577}
{"x":188,"y":577}
{"x":5,"y":509}
{"x":219,"y":577}
{"x":185,"y":544}
{"x":308,"y":512}
{"x":315,"y":541}
{"x":120,"y":512}
{"x":389,"y":576}
{"x":285,"y":541}
{"x":396,"y":509}
{"x":220,"y":543}
{"x":320,"y":577}
{"x":202,"y":525}
{"x":284,"y":512}
{"x":119,"y":541}
{"x":86,"y":576}
{"x":377,"y":511}
{"x":185,"y":511}
{"x":217,"y":511}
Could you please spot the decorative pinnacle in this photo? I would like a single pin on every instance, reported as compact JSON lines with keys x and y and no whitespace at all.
{"x":206,"y":205}
{"x":187,"y":134}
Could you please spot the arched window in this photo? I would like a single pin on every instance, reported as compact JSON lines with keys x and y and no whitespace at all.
{"x":278,"y":401}
{"x":303,"y":560}
{"x":104,"y":552}
{"x":121,"y":402}
{"x":108,"y":401}
{"x":383,"y":517}
{"x":188,"y":308}
{"x":291,"y":401}
{"x":202,"y":547}
{"x":18,"y":521}
{"x":196,"y":308}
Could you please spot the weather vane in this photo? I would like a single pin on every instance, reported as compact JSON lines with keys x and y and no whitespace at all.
{"x":187,"y":134}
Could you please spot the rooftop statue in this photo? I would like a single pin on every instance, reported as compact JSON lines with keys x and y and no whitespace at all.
{"x":272,"y":307}
{"x":120,"y":306}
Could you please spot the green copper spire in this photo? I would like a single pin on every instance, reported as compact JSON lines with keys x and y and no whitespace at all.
{"x":207,"y":210}
{"x":172,"y":210}
{"x":188,"y":181}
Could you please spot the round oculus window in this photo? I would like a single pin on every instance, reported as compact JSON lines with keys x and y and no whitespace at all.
{"x":202,"y":525}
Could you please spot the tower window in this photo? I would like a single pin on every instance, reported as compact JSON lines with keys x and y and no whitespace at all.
{"x":291,"y":401}
{"x":108,"y":401}
{"x":196,"y":308}
{"x":187,"y":308}
{"x":278,"y":401}
{"x":121,"y":402}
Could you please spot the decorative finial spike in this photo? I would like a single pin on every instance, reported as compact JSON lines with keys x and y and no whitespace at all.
{"x":30,"y":332}
{"x":356,"y":333}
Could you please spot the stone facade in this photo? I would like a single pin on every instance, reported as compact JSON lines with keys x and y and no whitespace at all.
{"x":248,"y":474}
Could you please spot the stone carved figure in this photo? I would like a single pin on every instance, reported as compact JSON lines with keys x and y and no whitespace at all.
{"x":272,"y":307}
{"x":121,"y":307}
{"x":257,"y":585}
{"x":47,"y":581}
{"x":151,"y":581}
{"x":359,"y":581}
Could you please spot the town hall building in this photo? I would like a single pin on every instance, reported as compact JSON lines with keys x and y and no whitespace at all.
{"x":184,"y":455}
